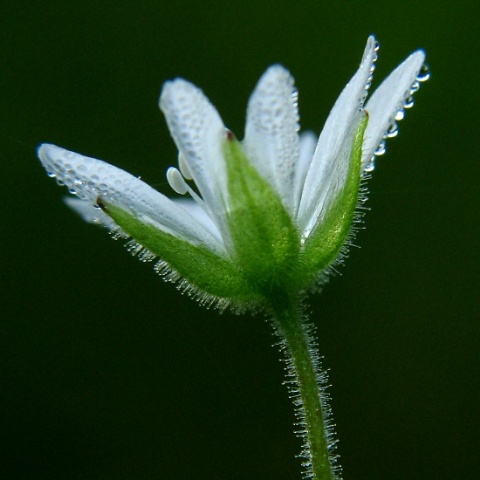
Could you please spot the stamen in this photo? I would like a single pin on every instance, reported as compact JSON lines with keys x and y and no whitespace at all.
{"x":180,"y":186}
{"x":176,"y":181}
{"x":184,"y":167}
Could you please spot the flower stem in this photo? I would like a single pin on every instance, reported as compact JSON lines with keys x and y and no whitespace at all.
{"x":306,"y":384}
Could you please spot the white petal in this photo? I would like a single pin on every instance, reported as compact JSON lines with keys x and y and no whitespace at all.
{"x":307,"y":143}
{"x":330,"y":162}
{"x":196,"y":211}
{"x":90,"y":179}
{"x":387,"y":100}
{"x":271,"y":133}
{"x":199,"y":133}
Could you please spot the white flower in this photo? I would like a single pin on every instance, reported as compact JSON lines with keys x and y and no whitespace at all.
{"x":265,"y":215}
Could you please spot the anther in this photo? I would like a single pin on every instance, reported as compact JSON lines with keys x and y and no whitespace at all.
{"x":176,"y":181}
{"x":182,"y":163}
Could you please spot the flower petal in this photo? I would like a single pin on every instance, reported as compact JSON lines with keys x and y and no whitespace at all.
{"x":329,"y":167}
{"x":92,"y":179}
{"x":388,"y":100}
{"x":200,"y":215}
{"x":271,"y":133}
{"x":307,"y":143}
{"x":199,"y":134}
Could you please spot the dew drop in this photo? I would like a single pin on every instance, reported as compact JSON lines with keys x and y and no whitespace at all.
{"x":380,"y":149}
{"x":408,"y":102}
{"x":370,"y":166}
{"x":51,"y":174}
{"x":400,"y":115}
{"x":414,"y":87}
{"x":423,"y":74}
{"x":392,"y":131}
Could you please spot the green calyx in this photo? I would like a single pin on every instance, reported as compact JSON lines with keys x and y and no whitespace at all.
{"x":265,"y":241}
{"x":266,"y":259}
{"x":204,"y":270}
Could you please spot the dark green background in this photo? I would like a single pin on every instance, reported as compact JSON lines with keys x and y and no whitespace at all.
{"x":108,"y":373}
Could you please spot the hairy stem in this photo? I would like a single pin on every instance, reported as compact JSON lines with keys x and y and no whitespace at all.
{"x":306,"y":384}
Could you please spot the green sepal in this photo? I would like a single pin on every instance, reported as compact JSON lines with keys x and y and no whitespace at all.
{"x":265,"y":240}
{"x":204,"y":270}
{"x":324,"y":245}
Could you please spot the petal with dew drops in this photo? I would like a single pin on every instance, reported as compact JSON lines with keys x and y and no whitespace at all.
{"x":92,"y":179}
{"x":271,"y":133}
{"x":387,"y":100}
{"x":198,"y":131}
{"x":330,"y":164}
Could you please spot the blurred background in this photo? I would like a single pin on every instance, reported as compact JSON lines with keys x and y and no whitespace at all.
{"x":108,"y":373}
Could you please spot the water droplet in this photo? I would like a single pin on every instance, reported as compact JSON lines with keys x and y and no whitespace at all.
{"x":392,"y":131}
{"x":414,"y":87}
{"x":370,"y":166}
{"x":380,"y":149}
{"x":51,"y":174}
{"x":400,"y":115}
{"x":376,"y":47}
{"x":408,"y":102}
{"x":423,"y":74}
